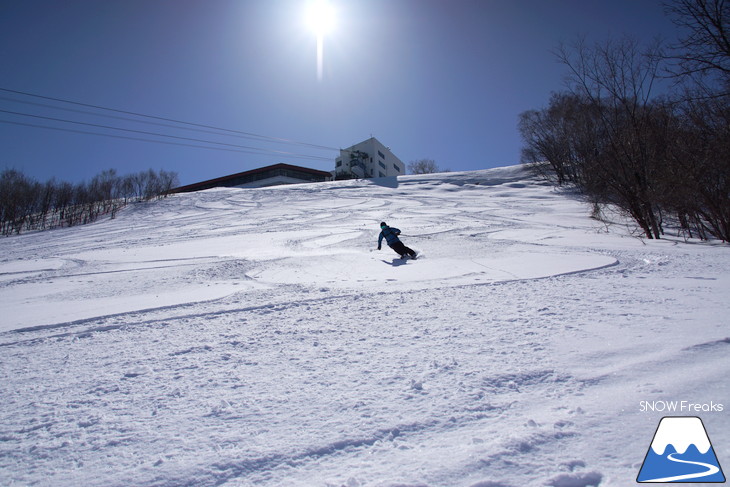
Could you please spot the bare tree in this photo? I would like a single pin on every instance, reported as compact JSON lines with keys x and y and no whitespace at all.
{"x":26,"y":204}
{"x":15,"y":189}
{"x":423,"y":166}
{"x":168,"y":181}
{"x":127,"y":187}
{"x":704,"y":51}
{"x":63,"y":201}
{"x":699,"y":193}
{"x":656,"y":158}
{"x":555,"y":136}
{"x":616,"y":80}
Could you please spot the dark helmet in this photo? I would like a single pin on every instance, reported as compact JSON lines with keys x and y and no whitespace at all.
{"x":382,"y":224}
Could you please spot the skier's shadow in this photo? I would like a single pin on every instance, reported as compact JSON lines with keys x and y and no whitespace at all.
{"x":396,"y":262}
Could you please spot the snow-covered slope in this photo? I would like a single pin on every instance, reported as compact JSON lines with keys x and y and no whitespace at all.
{"x":256,"y":337}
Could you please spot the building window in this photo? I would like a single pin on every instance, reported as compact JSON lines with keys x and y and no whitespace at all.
{"x":381,"y":174}
{"x":397,"y":168}
{"x":382,"y":164}
{"x":339,"y":162}
{"x":381,"y":154}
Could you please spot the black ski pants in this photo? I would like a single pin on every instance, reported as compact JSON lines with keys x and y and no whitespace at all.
{"x":402,"y":249}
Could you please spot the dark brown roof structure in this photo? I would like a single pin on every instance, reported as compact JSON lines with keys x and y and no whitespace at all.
{"x":274,"y":175}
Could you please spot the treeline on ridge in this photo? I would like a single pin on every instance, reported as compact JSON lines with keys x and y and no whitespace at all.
{"x":658,"y":158}
{"x":26,"y":204}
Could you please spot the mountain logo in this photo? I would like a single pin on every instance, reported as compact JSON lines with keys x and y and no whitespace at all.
{"x":681,"y":452}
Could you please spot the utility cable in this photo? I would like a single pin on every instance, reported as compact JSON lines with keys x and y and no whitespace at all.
{"x":124,"y":137}
{"x":144,"y":132}
{"x":127,"y":119}
{"x":98,"y":107}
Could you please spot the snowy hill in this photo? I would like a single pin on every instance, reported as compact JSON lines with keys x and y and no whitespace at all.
{"x":256,"y":337}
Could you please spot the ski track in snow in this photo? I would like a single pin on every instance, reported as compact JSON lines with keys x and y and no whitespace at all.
{"x":253,"y":337}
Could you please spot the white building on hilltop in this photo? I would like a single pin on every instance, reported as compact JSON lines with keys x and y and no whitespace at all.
{"x":368,"y":159}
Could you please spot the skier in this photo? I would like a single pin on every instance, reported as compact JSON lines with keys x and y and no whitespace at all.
{"x":390,"y":234}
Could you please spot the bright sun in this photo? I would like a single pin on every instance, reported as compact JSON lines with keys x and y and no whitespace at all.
{"x":320,"y":17}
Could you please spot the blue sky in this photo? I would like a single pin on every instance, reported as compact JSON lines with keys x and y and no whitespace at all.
{"x":437,"y":79}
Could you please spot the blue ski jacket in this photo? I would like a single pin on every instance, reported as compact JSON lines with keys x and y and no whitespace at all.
{"x":390,"y":234}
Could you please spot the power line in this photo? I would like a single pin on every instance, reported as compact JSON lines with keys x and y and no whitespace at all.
{"x":145,"y":132}
{"x":126,"y":119}
{"x":124,"y":137}
{"x":154,"y":117}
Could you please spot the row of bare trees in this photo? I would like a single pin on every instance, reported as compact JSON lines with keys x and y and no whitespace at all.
{"x":26,"y":204}
{"x":657,"y":158}
{"x":425,"y":166}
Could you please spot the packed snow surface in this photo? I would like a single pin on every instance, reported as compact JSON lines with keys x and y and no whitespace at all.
{"x":241,"y":337}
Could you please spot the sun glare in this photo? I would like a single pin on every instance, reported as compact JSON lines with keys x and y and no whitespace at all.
{"x":320,"y":17}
